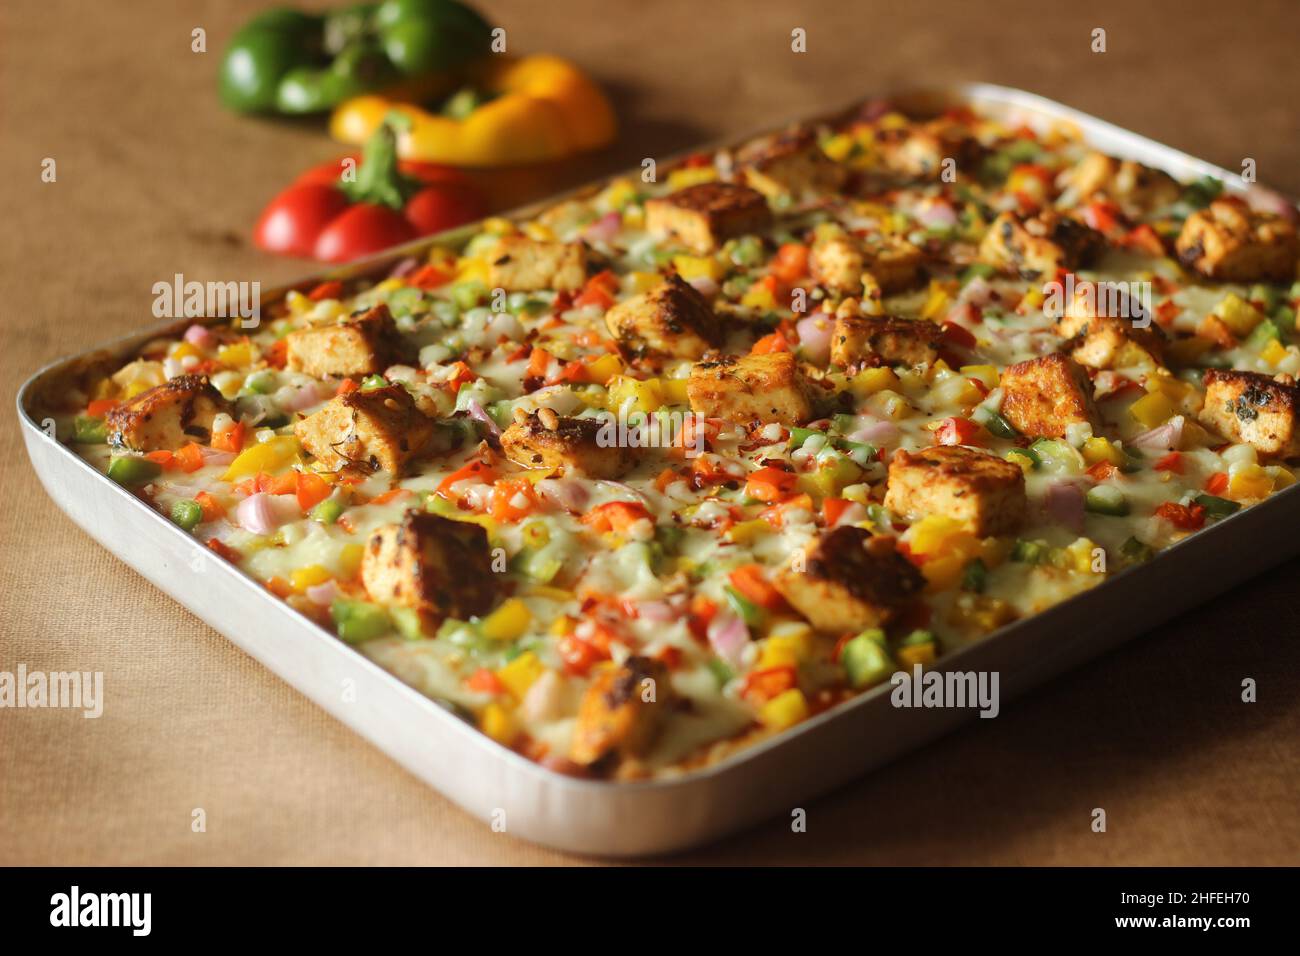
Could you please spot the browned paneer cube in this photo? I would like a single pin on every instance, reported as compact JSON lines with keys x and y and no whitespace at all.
{"x":521,"y":264}
{"x":621,"y":711}
{"x":1104,"y":327}
{"x":792,"y":164}
{"x":1253,"y":409}
{"x":919,"y":150}
{"x":544,"y":439}
{"x":838,"y":260}
{"x":752,"y":388}
{"x":670,"y":321}
{"x":850,"y":581}
{"x":437,"y":567}
{"x":360,"y":345}
{"x":984,"y":492}
{"x":861,"y":340}
{"x":367,"y":430}
{"x":1044,"y":396}
{"x":1233,"y":243}
{"x":1136,"y":188}
{"x":1038,"y":246}
{"x":167,"y":416}
{"x":705,"y":215}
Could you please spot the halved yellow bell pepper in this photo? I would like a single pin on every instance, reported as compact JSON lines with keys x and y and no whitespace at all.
{"x":542,"y":108}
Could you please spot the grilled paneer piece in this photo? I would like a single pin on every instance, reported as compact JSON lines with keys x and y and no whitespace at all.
{"x":1106,"y":328}
{"x":752,"y":388}
{"x":670,"y":321}
{"x":852,"y":580}
{"x":918,"y":151}
{"x":621,"y":711}
{"x":544,"y":439}
{"x":1135,"y":188}
{"x":366,"y":430}
{"x":860,"y":340}
{"x":838,"y":261}
{"x":703,"y":216}
{"x":362,"y":345}
{"x":520,"y":264}
{"x":167,"y":416}
{"x":1037,"y":246}
{"x":1233,"y":243}
{"x":984,"y":492}
{"x":1253,"y":409}
{"x":437,"y":567}
{"x":792,"y":165}
{"x":1043,"y":396}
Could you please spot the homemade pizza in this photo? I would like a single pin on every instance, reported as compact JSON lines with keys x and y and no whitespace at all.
{"x":675,"y":465}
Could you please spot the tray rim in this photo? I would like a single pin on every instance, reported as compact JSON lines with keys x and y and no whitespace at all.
{"x":1009,"y":97}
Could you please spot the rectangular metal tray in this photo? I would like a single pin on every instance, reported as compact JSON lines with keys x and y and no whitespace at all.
{"x":660,"y":816}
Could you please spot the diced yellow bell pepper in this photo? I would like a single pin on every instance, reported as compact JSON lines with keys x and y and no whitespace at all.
{"x":784,"y":710}
{"x":268,"y":456}
{"x":1019,"y":456}
{"x":888,"y":404}
{"x":634,"y":217}
{"x":304,"y":578}
{"x":549,"y":593}
{"x":936,"y":302}
{"x":935,"y":534}
{"x":561,"y":626}
{"x":758,"y":296}
{"x":1033,"y":299}
{"x":618,"y":194}
{"x":508,"y":622}
{"x":235,"y":356}
{"x":469,"y":269}
{"x":184,"y":349}
{"x":499,"y":226}
{"x":1078,"y":556}
{"x":539,"y":231}
{"x":643,"y":394}
{"x":390,"y":285}
{"x":987,"y":374}
{"x":839,"y":147}
{"x":745,"y":532}
{"x":604,"y":368}
{"x":499,"y":724}
{"x":1238,"y":314}
{"x":698,"y":267}
{"x":1250,"y":481}
{"x":691,"y":176}
{"x":1152,"y":409}
{"x":1274,"y":352}
{"x":872,"y":380}
{"x":909,"y":655}
{"x":644,"y":281}
{"x":1101,"y":449}
{"x":790,"y":644}
{"x":521,"y":673}
{"x":350,"y":556}
{"x":674,"y":391}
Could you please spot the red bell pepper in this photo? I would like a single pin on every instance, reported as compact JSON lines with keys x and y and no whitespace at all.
{"x":386,"y":202}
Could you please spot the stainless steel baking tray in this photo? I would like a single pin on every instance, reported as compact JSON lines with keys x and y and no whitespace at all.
{"x":653,"y":817}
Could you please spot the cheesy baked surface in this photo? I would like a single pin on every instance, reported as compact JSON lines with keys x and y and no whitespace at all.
{"x":676,"y":465}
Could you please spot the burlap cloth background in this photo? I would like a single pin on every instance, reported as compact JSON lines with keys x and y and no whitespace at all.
{"x":154,"y":178}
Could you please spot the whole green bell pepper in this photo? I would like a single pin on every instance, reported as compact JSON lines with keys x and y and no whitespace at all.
{"x":288,"y":61}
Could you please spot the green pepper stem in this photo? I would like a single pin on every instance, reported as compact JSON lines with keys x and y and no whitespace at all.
{"x":378,"y":178}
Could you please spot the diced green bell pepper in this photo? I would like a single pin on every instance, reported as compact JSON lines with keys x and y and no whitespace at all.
{"x":358,"y":621}
{"x":866,"y":659}
{"x":129,"y":470}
